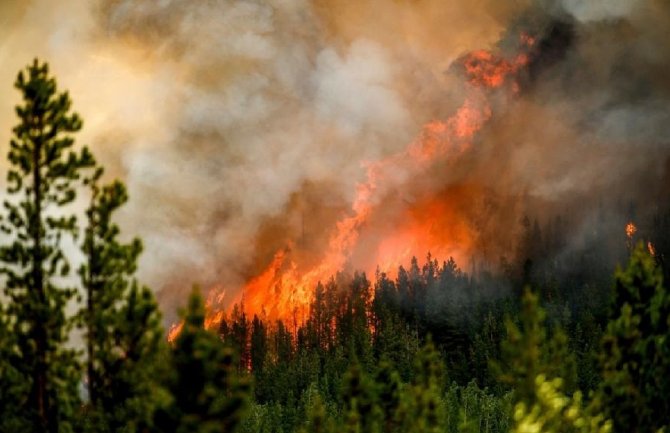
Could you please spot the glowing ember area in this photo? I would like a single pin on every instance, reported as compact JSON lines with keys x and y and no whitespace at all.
{"x":631,"y":229}
{"x":485,"y":69}
{"x":428,"y":223}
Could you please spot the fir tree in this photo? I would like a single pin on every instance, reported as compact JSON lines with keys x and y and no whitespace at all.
{"x":43,"y":174}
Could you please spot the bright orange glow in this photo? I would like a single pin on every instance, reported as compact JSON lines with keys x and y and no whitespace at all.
{"x":651,"y":249}
{"x":487,"y":70}
{"x":631,"y":229}
{"x":283,"y":290}
{"x":434,"y":226}
{"x":174,"y":331}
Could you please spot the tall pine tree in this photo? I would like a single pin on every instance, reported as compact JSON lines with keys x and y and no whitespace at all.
{"x":123,"y":331}
{"x":43,"y":174}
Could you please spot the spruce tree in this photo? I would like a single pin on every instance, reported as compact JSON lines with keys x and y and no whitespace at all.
{"x":44,"y":170}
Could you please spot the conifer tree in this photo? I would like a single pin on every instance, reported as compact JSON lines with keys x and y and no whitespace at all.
{"x":389,"y":395}
{"x":555,"y":412}
{"x":317,"y":417}
{"x":259,"y":345}
{"x":361,"y":412}
{"x":207,"y":395}
{"x":422,"y":410}
{"x":105,"y":276}
{"x":43,"y":174}
{"x":636,"y":349}
{"x":13,"y":387}
{"x":528,"y":352}
{"x":122,"y":322}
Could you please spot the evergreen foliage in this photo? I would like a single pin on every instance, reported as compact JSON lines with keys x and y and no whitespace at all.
{"x":206,"y":394}
{"x":124,"y":337}
{"x":636,"y":349}
{"x":44,"y":170}
{"x":554,"y":411}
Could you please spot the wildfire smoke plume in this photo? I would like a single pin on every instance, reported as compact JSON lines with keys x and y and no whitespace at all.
{"x":429,"y":224}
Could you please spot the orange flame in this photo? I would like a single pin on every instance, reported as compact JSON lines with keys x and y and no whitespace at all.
{"x":651,"y":249}
{"x":174,"y":331}
{"x":283,"y":290}
{"x":631,"y":229}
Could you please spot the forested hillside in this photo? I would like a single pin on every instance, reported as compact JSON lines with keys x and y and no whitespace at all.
{"x":551,"y":339}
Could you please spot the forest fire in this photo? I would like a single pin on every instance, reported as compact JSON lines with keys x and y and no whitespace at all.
{"x":283,"y":290}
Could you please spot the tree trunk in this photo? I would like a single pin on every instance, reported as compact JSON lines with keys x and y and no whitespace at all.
{"x":44,"y":421}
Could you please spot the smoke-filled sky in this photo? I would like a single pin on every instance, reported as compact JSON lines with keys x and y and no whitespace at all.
{"x":241,"y":127}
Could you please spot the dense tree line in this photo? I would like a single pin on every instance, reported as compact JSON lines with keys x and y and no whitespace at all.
{"x":543,"y":345}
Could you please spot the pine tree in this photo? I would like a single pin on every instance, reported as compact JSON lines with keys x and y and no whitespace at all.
{"x":259,"y":345}
{"x":206,"y":393}
{"x":361,"y":411}
{"x":42,"y":177}
{"x":555,"y":412}
{"x":317,"y":417}
{"x":422,"y":408}
{"x":122,"y":322}
{"x":13,"y":387}
{"x":636,"y":349}
{"x":389,"y":395}
{"x":528,"y":352}
{"x":105,"y":276}
{"x":135,"y":369}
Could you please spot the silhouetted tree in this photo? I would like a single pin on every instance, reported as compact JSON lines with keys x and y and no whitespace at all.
{"x":206,"y":392}
{"x":636,"y":349}
{"x":43,"y":173}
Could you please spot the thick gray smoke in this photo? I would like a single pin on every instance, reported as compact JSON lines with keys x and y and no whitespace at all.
{"x":242,"y":125}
